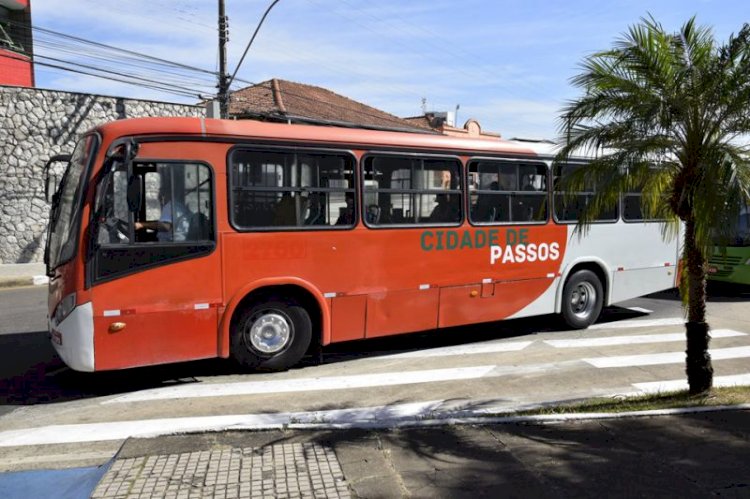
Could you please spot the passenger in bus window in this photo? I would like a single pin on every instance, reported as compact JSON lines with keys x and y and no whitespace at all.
{"x":285,"y":214}
{"x":445,"y":210}
{"x":346,"y":217}
{"x":373,"y":214}
{"x":316,"y":204}
{"x":485,"y":209}
{"x":445,"y":182}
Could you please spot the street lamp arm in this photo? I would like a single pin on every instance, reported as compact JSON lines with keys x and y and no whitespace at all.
{"x":229,"y":84}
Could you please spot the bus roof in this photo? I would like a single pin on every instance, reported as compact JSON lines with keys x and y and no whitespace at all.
{"x":247,"y":129}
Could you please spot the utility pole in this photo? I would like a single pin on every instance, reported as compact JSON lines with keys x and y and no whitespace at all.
{"x":223,"y":85}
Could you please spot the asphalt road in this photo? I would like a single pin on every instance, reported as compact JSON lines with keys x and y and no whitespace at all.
{"x":488,"y":367}
{"x":23,"y":310}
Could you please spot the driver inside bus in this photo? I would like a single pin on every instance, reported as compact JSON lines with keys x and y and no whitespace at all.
{"x":173,"y":215}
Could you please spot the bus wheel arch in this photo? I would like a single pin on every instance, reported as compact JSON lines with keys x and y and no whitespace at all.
{"x":584,"y":294}
{"x":277,"y":313}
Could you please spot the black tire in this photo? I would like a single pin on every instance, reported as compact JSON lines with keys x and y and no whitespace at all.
{"x":583,"y":296}
{"x":276,"y":345}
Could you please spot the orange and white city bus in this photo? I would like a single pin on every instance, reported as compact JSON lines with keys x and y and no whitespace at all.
{"x":174,"y":239}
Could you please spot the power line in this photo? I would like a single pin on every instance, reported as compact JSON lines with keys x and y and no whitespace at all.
{"x":125,"y":66}
{"x":178,"y":76}
{"x":112,"y":78}
{"x":117,"y":49}
{"x":135,"y":79}
{"x":98,"y":51}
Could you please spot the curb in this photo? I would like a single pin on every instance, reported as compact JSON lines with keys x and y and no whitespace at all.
{"x":17,"y":282}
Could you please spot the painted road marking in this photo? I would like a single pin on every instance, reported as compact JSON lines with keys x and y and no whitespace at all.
{"x":631,"y":323}
{"x":38,"y":459}
{"x":120,"y":430}
{"x":472,"y":349}
{"x":200,"y":390}
{"x":682,"y":384}
{"x":635,"y":339}
{"x":664,"y":358}
{"x":641,"y":310}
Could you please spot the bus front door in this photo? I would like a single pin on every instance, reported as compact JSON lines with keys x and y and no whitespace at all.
{"x":155,"y":271}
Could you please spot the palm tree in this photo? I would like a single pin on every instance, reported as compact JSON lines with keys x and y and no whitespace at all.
{"x":668,"y":113}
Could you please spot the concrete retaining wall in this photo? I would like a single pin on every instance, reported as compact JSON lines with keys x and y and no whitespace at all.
{"x":34,"y":125}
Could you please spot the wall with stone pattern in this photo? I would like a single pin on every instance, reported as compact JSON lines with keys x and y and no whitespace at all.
{"x":34,"y":125}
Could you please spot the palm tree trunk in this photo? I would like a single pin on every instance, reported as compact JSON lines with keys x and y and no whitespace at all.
{"x":699,"y":370}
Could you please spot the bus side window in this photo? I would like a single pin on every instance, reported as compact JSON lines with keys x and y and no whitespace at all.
{"x":412,"y":190}
{"x":176,"y":203}
{"x":508,"y":191}
{"x":290,"y":189}
{"x":569,"y":206}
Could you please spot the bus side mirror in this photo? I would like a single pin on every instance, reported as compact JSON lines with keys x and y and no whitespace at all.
{"x":134,"y":194}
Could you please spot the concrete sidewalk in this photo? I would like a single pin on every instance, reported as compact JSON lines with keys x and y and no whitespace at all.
{"x":22,"y":274}
{"x":687,"y":455}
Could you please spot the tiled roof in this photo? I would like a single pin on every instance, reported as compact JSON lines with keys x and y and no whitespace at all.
{"x":285,"y":100}
{"x":420,"y":121}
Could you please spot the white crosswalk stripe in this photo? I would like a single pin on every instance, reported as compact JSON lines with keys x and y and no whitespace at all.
{"x":634,"y":323}
{"x":663,"y":358}
{"x":120,"y":430}
{"x":635,"y":339}
{"x":200,"y":390}
{"x":640,"y":309}
{"x":471,"y":349}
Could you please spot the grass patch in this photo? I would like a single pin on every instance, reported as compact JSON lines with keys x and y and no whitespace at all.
{"x":668,"y":400}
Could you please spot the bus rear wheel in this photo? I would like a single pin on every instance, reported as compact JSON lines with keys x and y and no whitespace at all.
{"x":582,"y":299}
{"x":272,"y":335}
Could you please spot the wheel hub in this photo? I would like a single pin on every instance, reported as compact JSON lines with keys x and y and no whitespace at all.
{"x":583,"y":299}
{"x":270,"y":332}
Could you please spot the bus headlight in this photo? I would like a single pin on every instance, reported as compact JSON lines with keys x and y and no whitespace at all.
{"x":65,"y":307}
{"x":747,"y":262}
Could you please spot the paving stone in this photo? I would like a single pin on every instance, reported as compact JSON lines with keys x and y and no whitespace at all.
{"x":291,"y":470}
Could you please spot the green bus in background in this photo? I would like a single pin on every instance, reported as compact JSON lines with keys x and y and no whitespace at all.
{"x":731,"y":263}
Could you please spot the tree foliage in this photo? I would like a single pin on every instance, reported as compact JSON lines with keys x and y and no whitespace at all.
{"x":669,"y":113}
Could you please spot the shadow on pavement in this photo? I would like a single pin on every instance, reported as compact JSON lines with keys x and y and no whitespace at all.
{"x":690,"y":455}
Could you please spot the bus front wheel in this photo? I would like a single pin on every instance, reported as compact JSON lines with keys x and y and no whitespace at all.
{"x":272,"y":335}
{"x":582,"y":299}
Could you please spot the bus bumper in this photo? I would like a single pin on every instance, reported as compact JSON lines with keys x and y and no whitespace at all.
{"x":73,"y":338}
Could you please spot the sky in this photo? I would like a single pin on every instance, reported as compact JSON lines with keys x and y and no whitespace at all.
{"x":506,"y":64}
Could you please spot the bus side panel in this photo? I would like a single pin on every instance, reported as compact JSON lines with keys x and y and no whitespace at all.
{"x":153,"y":338}
{"x":401,"y":311}
{"x":467,"y":305}
{"x":627,"y":284}
{"x":169,"y":314}
{"x":402,"y":271}
{"x":730,"y":264}
{"x":642,"y":261}
{"x":543,"y":305}
{"x":348,"y":318}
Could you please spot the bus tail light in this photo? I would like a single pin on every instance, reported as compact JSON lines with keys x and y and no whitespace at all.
{"x":65,"y":307}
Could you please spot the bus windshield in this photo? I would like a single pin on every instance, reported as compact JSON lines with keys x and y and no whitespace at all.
{"x":66,"y":207}
{"x":739,"y":233}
